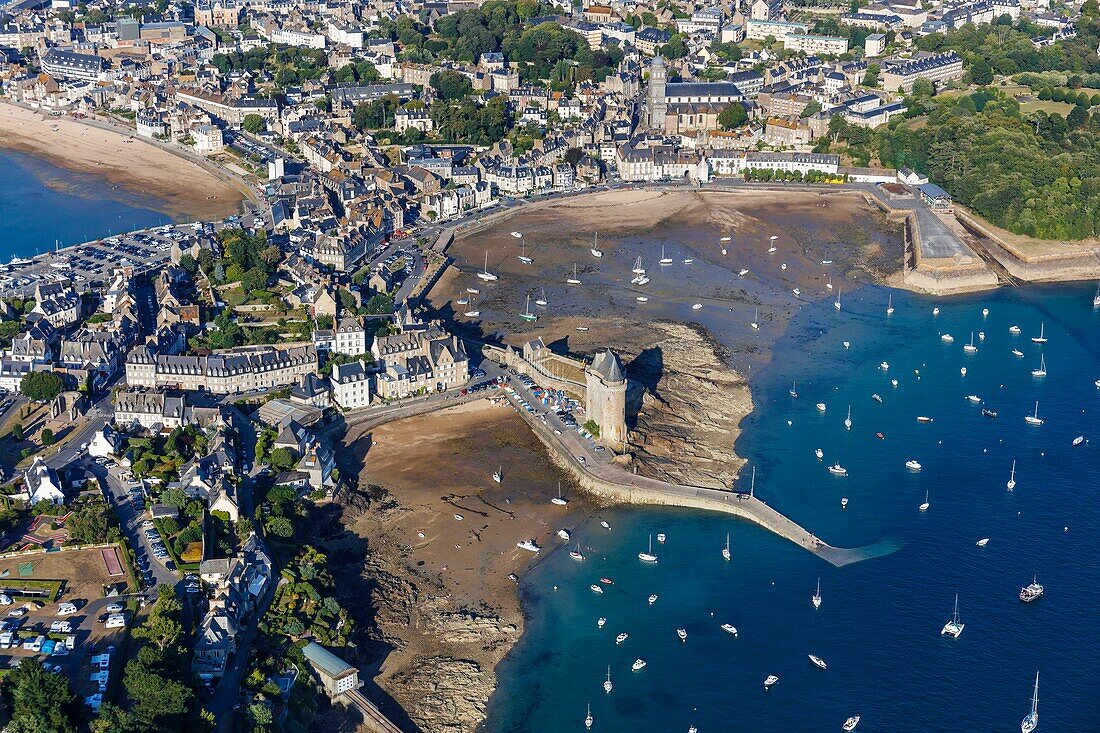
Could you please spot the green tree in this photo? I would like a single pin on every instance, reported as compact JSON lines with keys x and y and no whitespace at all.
{"x":46,"y":437}
{"x":17,"y":431}
{"x":41,"y":386}
{"x":41,"y":701}
{"x":733,"y":116}
{"x":282,"y":459}
{"x":451,"y":85}
{"x":280,"y":527}
{"x":254,"y":124}
{"x":870,"y":79}
{"x":980,"y":72}
{"x":1077,"y":117}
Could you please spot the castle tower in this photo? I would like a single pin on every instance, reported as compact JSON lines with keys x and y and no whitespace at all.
{"x":657,"y":101}
{"x":605,"y":399}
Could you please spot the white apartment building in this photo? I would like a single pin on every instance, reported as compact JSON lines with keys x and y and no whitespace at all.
{"x":226,"y":372}
{"x":351,"y":385}
{"x":827,"y":45}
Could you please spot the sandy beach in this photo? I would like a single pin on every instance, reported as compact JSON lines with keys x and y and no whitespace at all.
{"x":183,"y":189}
{"x":445,"y":610}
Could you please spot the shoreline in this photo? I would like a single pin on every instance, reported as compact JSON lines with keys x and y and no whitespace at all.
{"x":181,"y":187}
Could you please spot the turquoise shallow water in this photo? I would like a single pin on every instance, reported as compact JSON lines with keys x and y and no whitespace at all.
{"x":41,"y":203}
{"x":879,"y":625}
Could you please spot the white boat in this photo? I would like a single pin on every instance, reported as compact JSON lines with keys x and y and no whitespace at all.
{"x":1014,"y":329}
{"x":688,"y":260}
{"x":838,"y":470}
{"x":836,"y":303}
{"x":582,"y":329}
{"x":605,"y":525}
{"x":843,"y":501}
{"x":682,"y":633}
{"x":936,"y":311}
{"x":648,"y":556}
{"x":912,"y":465}
{"x":1031,"y":720}
{"x":564,"y":534}
{"x":816,"y":600}
{"x":981,"y":336}
{"x":485,"y":274}
{"x":890,"y":306}
{"x":595,"y":250}
{"x":1042,"y":370}
{"x":1078,"y":441}
{"x":729,"y":629}
{"x":792,"y":391}
{"x":1096,"y":298}
{"x":1017,"y":353}
{"x":848,"y":420}
{"x":529,"y":545}
{"x":894,"y":383}
{"x":642,"y":299}
{"x":665,"y":260}
{"x":982,"y":542}
{"x":821,"y":407}
{"x":607,"y":683}
{"x":876,"y":397}
{"x":652,"y":599}
{"x":638,"y":269}
{"x":742,"y":272}
{"x":621,"y":638}
{"x":962,"y":371}
{"x":596,"y":589}
{"x":498,"y":475}
{"x":588,"y":718}
{"x":924,"y":419}
{"x":639,"y":280}
{"x":970,"y":348}
{"x":638,"y":664}
{"x":954,"y":627}
{"x":884,"y":366}
{"x":771,"y":249}
{"x":458,"y":517}
{"x":947,"y":338}
{"x":769,"y":681}
{"x":924,"y":507}
{"x":577,"y":554}
{"x":1097,"y":383}
{"x":796,"y":292}
{"x":819,"y":453}
{"x":756,"y":320}
{"x":851,"y":723}
{"x":973,"y":398}
{"x":783,"y":266}
{"x":661,"y":537}
{"x":541,"y":302}
{"x":527,"y":315}
{"x":573,"y":280}
{"x":1012,"y":478}
{"x":601,"y":621}
{"x":1034,"y":419}
{"x":522,"y":256}
{"x":774,"y":237}
{"x":697,"y":306}
{"x":559,"y":499}
{"x":818,"y":661}
{"x":1041,"y":338}
{"x":475,"y":291}
{"x":463,"y":301}
{"x":1031,"y":592}
{"x":693,"y":729}
{"x":726,"y":549}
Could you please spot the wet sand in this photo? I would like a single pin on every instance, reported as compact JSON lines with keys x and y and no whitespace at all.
{"x":445,"y":605}
{"x":183,"y":189}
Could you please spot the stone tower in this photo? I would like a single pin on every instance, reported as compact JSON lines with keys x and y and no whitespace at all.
{"x":657,"y":101}
{"x":605,"y":402}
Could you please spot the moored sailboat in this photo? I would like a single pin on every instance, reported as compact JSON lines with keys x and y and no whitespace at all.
{"x":1031,"y":720}
{"x":954,"y":627}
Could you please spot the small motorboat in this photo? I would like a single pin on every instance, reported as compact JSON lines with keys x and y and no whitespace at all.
{"x":851,"y":723}
{"x":607,"y":581}
{"x":796,"y":292}
{"x":1017,"y":353}
{"x":821,"y":407}
{"x":697,"y":306}
{"x":894,"y":383}
{"x":912,"y":465}
{"x":653,"y":599}
{"x":985,"y":312}
{"x":682,"y":633}
{"x":621,"y":638}
{"x":962,"y":371}
{"x":638,"y":664}
{"x":884,"y":366}
{"x":880,"y":436}
{"x":922,"y":418}
{"x":458,"y":517}
{"x":596,"y":589}
{"x":742,"y":273}
{"x":1031,"y":592}
{"x":769,"y":681}
{"x":606,"y":526}
{"x":582,"y":329}
{"x":1014,"y":329}
{"x":982,"y":542}
{"x":818,"y":661}
{"x":936,"y":311}
{"x":564,"y":534}
{"x":974,"y":398}
{"x":981,"y":335}
{"x":1078,"y":440}
{"x":846,"y":344}
{"x":661,"y":537}
{"x":783,"y":266}
{"x":529,"y":545}
{"x":601,"y":621}
{"x":642,"y":299}
{"x":947,"y":338}
{"x":844,"y":501}
{"x":819,"y":453}
{"x":876,"y":397}
{"x":838,"y":470}
{"x":986,"y":412}
{"x":729,"y":629}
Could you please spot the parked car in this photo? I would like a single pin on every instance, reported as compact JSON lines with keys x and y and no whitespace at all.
{"x":114,"y":608}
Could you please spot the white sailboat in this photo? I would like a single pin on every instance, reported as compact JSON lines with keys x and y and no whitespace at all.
{"x":793,"y":392}
{"x":1096,"y":298}
{"x":588,"y":717}
{"x":573,"y":280}
{"x":890,"y":306}
{"x":821,"y":407}
{"x":1012,"y":478}
{"x":541,"y":302}
{"x":970,"y":348}
{"x":818,"y":661}
{"x":607,"y":683}
{"x":665,"y":260}
{"x":638,"y":269}
{"x":527,"y":315}
{"x":1034,"y":419}
{"x":836,"y":303}
{"x":697,"y":306}
{"x":936,"y":311}
{"x":473,"y":311}
{"x":577,"y":554}
{"x":726,"y":549}
{"x":559,"y":499}
{"x":848,"y":420}
{"x":1041,"y":338}
{"x":522,"y":256}
{"x":595,"y":250}
{"x":498,"y":475}
{"x":1031,"y":720}
{"x":756,"y":320}
{"x":1042,"y":370}
{"x":648,"y":556}
{"x":954,"y":627}
{"x":817,"y":595}
{"x":924,"y":507}
{"x":485,"y":274}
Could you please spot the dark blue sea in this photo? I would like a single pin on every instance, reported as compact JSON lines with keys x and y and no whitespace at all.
{"x":41,"y":203}
{"x":878,"y":627}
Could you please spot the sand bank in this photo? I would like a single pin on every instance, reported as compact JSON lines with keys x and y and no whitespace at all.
{"x":185,"y":189}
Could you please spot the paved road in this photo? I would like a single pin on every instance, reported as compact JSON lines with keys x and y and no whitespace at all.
{"x":130,"y":519}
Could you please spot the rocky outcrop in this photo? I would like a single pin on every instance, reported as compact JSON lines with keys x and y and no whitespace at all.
{"x":444,"y":695}
{"x":688,"y":416}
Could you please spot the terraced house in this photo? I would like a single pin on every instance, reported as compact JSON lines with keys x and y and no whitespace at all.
{"x":419,"y":360}
{"x":228,"y":372}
